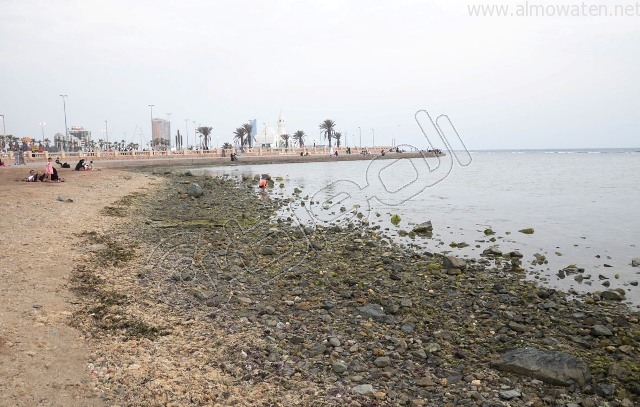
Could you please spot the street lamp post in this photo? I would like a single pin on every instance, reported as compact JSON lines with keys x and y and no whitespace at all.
{"x":194,"y":131}
{"x":169,"y":120}
{"x":42,"y":127}
{"x":360,"y":131}
{"x":373,"y":138}
{"x":186,"y":130}
{"x":106,"y":132}
{"x":66,"y":128}
{"x":151,"y":106}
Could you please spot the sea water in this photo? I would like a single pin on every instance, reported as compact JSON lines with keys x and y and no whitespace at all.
{"x":583,"y":205}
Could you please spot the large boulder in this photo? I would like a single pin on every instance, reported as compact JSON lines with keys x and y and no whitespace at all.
{"x":492,"y":251}
{"x":195,"y":190}
{"x":453,"y":262}
{"x":635,"y":262}
{"x":425,"y":228}
{"x":555,"y":368}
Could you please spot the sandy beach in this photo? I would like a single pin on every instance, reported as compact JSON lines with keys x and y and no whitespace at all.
{"x":43,"y":361}
{"x":140,"y":288}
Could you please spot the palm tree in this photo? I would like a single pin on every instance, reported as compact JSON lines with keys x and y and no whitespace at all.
{"x":285,"y":137}
{"x":205,"y":132}
{"x":227,"y":146}
{"x":101,"y":143}
{"x":299,"y":136}
{"x":240,"y":134}
{"x":329,"y":128}
{"x":248,"y":128}
{"x":337,"y":136}
{"x":47,"y":142}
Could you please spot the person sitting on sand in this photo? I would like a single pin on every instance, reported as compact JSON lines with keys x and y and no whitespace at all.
{"x":33,"y":176}
{"x":91,"y":167}
{"x":1,"y":163}
{"x":62,"y":165}
{"x":48,"y":170}
{"x":55,"y":177}
{"x":80,"y":165}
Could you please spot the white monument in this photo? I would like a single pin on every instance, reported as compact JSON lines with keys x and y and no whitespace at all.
{"x":268,"y":137}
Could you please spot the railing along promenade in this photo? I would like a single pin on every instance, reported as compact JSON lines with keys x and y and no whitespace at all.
{"x":135,"y":158}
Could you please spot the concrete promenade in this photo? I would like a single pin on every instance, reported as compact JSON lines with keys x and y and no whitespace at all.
{"x":133,"y":159}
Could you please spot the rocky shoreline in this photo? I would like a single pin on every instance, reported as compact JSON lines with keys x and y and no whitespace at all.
{"x":203,"y":299}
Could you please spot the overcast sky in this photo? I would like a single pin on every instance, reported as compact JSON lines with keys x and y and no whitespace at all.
{"x":505,"y":82}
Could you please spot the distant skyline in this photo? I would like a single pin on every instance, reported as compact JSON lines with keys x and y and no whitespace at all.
{"x":505,"y":82}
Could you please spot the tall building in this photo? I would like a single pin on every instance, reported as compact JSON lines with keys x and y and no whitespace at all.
{"x":78,"y":136}
{"x":161,"y":134}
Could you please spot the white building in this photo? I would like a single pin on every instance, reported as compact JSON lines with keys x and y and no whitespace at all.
{"x":268,"y":137}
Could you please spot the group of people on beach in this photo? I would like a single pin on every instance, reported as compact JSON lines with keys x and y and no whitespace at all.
{"x":50,"y":173}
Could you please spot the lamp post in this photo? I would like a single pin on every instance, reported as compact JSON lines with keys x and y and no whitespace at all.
{"x":186,"y":130}
{"x":66,"y":128}
{"x":360,"y":130}
{"x":373,"y":138}
{"x":169,"y":140}
{"x":42,"y":127}
{"x":106,"y":131}
{"x":194,"y":131}
{"x":151,"y":106}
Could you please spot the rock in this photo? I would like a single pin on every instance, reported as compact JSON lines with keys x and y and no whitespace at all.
{"x":364,"y":390}
{"x":317,"y":349}
{"x":516,"y":254}
{"x":612,"y":295}
{"x":635,"y":262}
{"x":406,"y":303}
{"x":335,"y":342}
{"x":517,"y":327}
{"x":492,"y":251}
{"x":62,"y":198}
{"x":526,"y":231}
{"x":382,"y":361}
{"x":600,"y":330}
{"x":195,"y":190}
{"x":376,"y":313}
{"x":267,"y":250}
{"x":425,"y":228}
{"x":556,"y":368}
{"x":509,"y":394}
{"x":604,"y":389}
{"x":452,"y":262}
{"x":339,"y":366}
{"x":426,"y":382}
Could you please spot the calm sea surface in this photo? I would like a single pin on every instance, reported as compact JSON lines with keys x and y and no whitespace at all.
{"x":583,"y":205}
